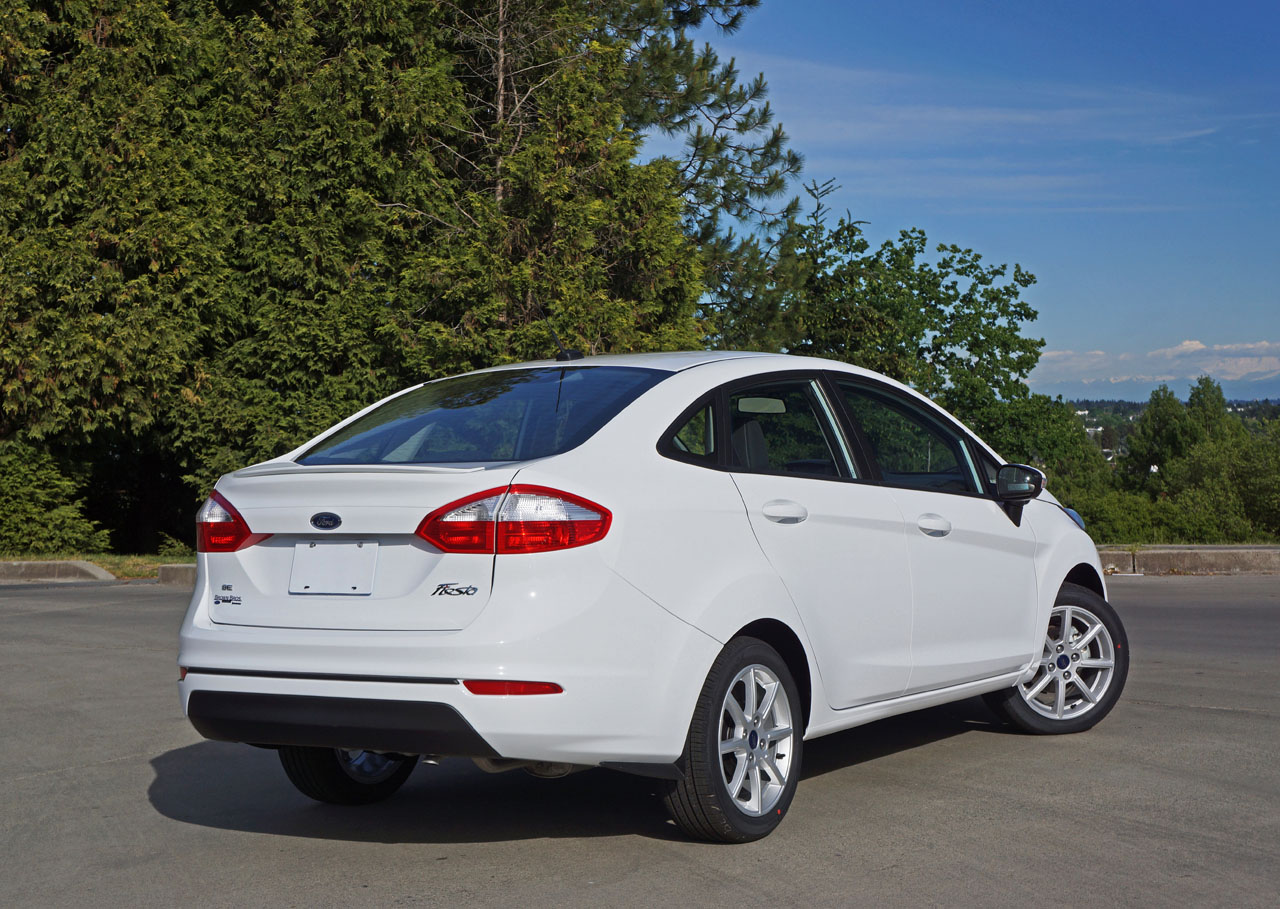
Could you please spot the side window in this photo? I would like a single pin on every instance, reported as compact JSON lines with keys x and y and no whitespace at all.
{"x":912,"y":448}
{"x":695,"y":439}
{"x":783,"y":427}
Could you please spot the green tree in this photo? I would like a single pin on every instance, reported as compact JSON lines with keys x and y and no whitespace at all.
{"x":1163,"y":433}
{"x":951,"y":328}
{"x":224,"y":226}
{"x":39,"y":510}
{"x":1207,"y":408}
{"x":735,"y":164}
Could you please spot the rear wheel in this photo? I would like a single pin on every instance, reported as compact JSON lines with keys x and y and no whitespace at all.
{"x":742,"y":755}
{"x":344,"y":777}
{"x":1081,"y":671}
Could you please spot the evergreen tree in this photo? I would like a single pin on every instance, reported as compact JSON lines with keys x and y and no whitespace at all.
{"x":225,"y":225}
{"x":735,"y":167}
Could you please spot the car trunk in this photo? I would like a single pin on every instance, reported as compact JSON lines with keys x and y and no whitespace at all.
{"x":370,"y":572}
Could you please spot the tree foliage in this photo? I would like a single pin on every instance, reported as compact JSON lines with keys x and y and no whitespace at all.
{"x":950,"y":326}
{"x":1216,"y":476}
{"x":224,"y":225}
{"x":40,"y":512}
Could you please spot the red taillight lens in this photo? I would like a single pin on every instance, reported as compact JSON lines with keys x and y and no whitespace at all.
{"x":220,"y":528}
{"x":515,"y":520}
{"x":466,"y":525}
{"x":538,"y":519}
{"x":504,"y":687}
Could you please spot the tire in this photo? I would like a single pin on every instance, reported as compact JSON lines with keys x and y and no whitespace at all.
{"x":1080,"y":674}
{"x":751,"y":701}
{"x":342,"y":777}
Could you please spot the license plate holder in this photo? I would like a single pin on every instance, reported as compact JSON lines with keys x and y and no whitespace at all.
{"x":333,"y":568}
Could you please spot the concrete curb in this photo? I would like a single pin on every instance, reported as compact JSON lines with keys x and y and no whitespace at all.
{"x":1191,"y":560}
{"x":179,"y":575}
{"x":69,"y":570}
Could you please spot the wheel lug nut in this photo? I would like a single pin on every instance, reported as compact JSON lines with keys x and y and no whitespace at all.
{"x":1075,"y":656}
{"x":1059,"y":648}
{"x":1066,"y":674}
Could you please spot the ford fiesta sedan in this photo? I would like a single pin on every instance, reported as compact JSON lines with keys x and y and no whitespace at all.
{"x":677,"y":565}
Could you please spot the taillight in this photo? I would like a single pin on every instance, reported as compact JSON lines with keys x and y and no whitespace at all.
{"x":466,"y":525}
{"x":538,"y":519}
{"x":220,"y":528}
{"x":514,"y":520}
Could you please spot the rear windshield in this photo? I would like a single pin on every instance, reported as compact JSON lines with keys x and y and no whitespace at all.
{"x":511,"y":415}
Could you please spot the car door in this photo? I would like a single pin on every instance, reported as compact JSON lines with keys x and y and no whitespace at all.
{"x":973,"y":577}
{"x":836,"y":540}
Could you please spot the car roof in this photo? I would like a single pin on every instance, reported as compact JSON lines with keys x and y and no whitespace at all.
{"x":670,"y":361}
{"x":680,"y":360}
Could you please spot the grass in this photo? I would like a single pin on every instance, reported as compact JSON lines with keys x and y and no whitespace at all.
{"x":122,"y":566}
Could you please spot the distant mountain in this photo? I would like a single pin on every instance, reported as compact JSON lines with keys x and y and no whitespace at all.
{"x":1104,"y":390}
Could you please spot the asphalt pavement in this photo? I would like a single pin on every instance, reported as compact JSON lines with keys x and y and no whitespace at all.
{"x":108,"y":797}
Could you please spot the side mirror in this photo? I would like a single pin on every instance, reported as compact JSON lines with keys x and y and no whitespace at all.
{"x":1017,"y":484}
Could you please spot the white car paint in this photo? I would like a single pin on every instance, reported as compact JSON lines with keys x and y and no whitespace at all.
{"x":889,"y":620}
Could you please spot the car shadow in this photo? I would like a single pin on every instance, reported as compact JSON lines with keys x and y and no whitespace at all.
{"x":237,"y":787}
{"x":899,"y":733}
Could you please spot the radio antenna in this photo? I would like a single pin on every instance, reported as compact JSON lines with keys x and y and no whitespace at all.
{"x":565,"y":353}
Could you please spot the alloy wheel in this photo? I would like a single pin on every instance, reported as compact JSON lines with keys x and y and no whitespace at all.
{"x":368,"y":767}
{"x":1076,"y":666}
{"x":756,"y":736}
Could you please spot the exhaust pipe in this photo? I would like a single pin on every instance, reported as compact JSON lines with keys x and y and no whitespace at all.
{"x":545,"y":770}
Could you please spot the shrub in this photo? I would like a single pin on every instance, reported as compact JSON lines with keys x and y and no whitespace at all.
{"x":39,"y":510}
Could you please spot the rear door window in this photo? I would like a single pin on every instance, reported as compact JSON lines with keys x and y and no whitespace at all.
{"x":507,"y":415}
{"x":784,"y":428}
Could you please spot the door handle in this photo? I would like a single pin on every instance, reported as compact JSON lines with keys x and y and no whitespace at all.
{"x":934,"y":525}
{"x":784,"y":511}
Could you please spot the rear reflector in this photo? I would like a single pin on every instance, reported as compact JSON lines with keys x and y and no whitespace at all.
{"x":503,"y":687}
{"x":519,"y":519}
{"x":220,"y":528}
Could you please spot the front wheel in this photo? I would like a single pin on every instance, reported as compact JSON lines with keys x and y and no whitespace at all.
{"x":742,"y":755}
{"x":1080,"y":673}
{"x":343,"y":777}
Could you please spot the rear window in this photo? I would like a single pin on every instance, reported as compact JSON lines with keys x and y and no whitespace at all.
{"x":511,"y":415}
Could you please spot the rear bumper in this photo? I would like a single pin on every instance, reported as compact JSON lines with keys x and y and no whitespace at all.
{"x":407,"y":727}
{"x":630,"y":671}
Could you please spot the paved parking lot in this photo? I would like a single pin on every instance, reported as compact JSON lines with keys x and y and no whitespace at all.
{"x":108,"y":797}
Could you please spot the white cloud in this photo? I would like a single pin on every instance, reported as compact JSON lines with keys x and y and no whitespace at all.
{"x":1247,"y":361}
{"x":1186,"y":347}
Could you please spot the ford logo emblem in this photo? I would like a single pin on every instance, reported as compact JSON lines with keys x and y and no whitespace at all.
{"x":325,"y":520}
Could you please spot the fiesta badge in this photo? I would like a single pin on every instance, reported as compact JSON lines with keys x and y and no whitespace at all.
{"x":325,"y":520}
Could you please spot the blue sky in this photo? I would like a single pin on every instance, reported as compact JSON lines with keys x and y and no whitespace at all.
{"x":1126,"y":153}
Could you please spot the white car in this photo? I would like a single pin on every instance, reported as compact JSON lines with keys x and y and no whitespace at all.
{"x":678,"y":565}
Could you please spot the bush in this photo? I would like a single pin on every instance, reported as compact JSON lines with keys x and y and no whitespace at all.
{"x":39,"y":510}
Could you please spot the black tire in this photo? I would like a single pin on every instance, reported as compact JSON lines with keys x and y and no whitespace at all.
{"x":345,"y":777}
{"x":701,"y":804}
{"x":1078,"y":688}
